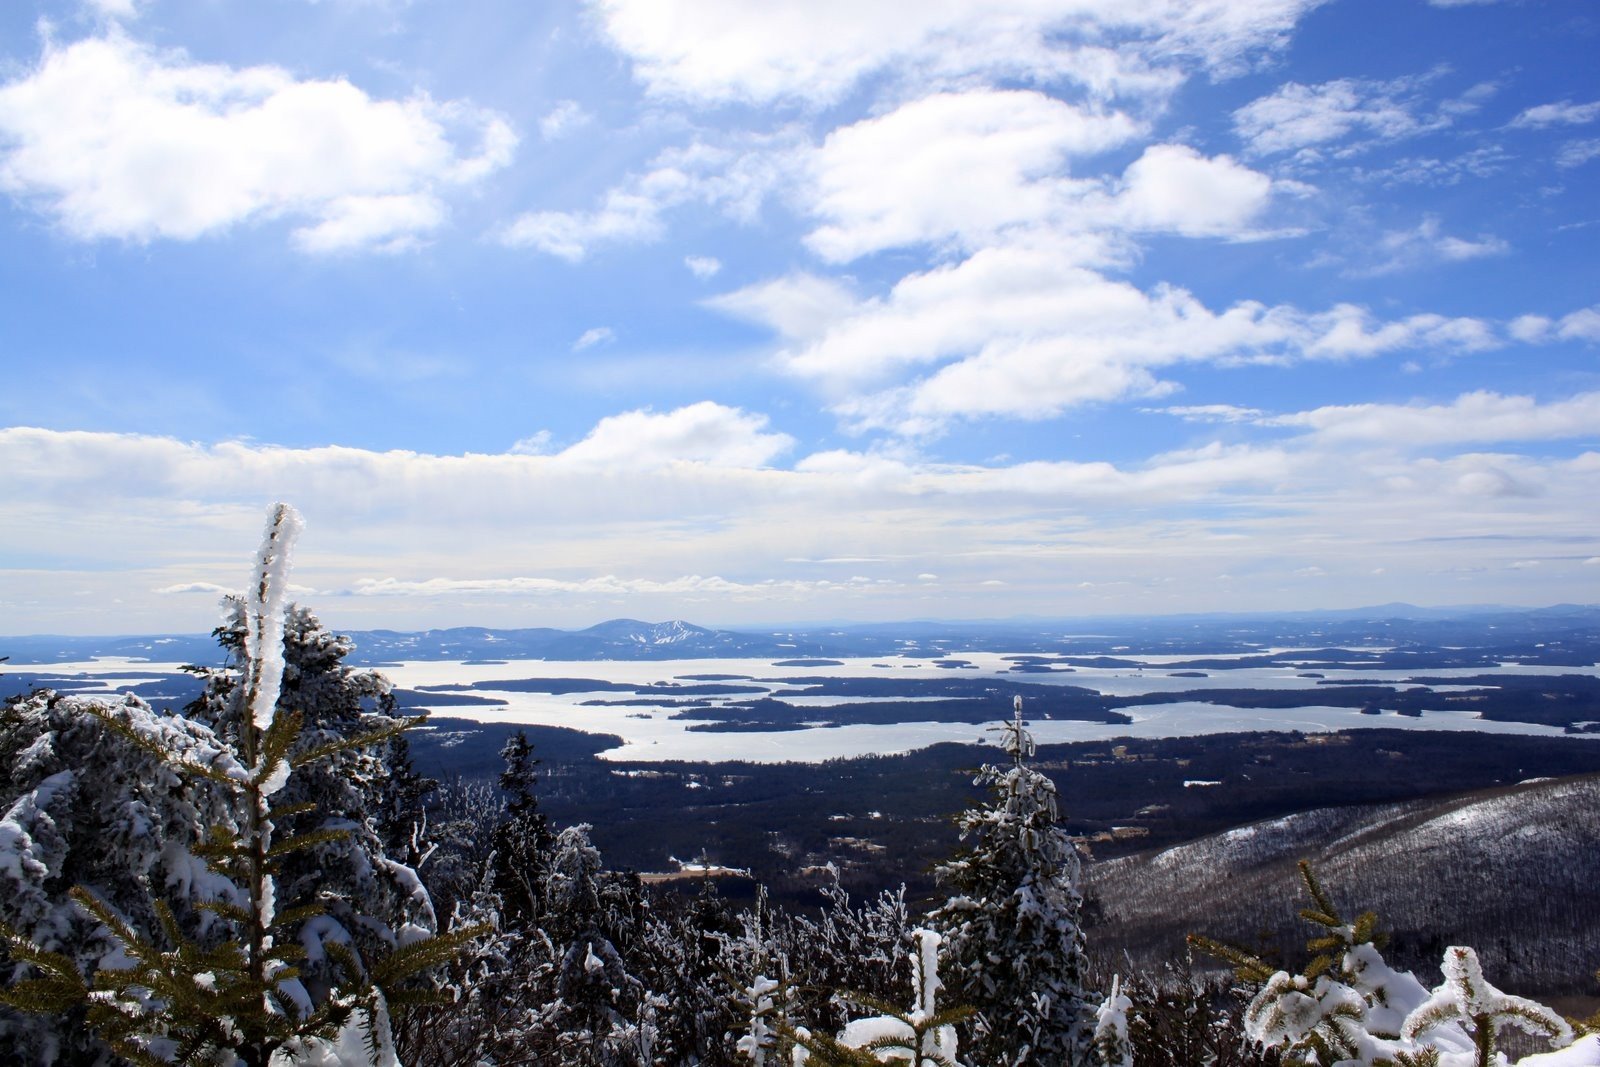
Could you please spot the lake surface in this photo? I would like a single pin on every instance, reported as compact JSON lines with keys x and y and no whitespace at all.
{"x":650,"y":732}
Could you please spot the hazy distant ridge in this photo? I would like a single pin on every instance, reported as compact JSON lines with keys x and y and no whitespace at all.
{"x":1564,"y":633}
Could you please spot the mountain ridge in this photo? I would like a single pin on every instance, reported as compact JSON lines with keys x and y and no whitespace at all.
{"x":1520,"y":631}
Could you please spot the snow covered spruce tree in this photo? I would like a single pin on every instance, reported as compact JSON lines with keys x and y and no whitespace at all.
{"x":237,"y":905}
{"x":1015,"y":950}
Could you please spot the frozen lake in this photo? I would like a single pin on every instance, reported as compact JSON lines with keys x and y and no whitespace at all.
{"x":650,"y":732}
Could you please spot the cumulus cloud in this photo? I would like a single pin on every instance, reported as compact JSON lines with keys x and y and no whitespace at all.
{"x":706,"y":432}
{"x":1347,"y":331}
{"x":818,"y":50}
{"x":1174,"y":189}
{"x":116,"y":139}
{"x":958,"y":167}
{"x":1580,"y":325}
{"x":965,"y":170}
{"x":1024,"y":331}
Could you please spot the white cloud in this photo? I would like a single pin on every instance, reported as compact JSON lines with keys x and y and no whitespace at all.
{"x":702,"y":266}
{"x":535,"y":444}
{"x":1474,"y":418}
{"x":735,"y":181}
{"x":599,"y":335}
{"x":1024,"y":331}
{"x":1565,"y":113}
{"x":958,"y":167}
{"x":1174,"y":189}
{"x":624,"y":216}
{"x":798,"y":306}
{"x":208,"y":588}
{"x":1401,"y":250}
{"x":1577,"y":153}
{"x":1530,"y":329}
{"x":1298,"y":116}
{"x":118,"y":140}
{"x":706,"y":432}
{"x":1580,"y":325}
{"x":461,"y":530}
{"x":1480,"y":162}
{"x":1350,"y":332}
{"x":562,"y":119}
{"x":689,"y":587}
{"x":970,"y":169}
{"x":818,"y":50}
{"x":1214,"y":413}
{"x":115,"y":9}
{"x":381,"y":223}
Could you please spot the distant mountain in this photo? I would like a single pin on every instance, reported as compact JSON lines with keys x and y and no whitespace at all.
{"x":1514,"y":872}
{"x":1561,"y":635}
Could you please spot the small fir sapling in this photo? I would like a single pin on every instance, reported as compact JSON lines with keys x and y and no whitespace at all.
{"x":1466,"y":998}
{"x":1349,"y":1008}
{"x":225,"y":979}
{"x":1347,"y":1004}
{"x":924,"y":1036}
{"x":1012,"y":922}
{"x":1112,"y":1045}
{"x":767,"y":1004}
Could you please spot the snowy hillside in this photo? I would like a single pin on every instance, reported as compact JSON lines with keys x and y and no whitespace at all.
{"x":1514,"y":871}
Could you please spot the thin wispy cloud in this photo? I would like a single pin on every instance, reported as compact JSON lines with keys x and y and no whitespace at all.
{"x":598,"y":335}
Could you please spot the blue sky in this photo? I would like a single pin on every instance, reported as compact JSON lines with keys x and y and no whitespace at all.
{"x":744,"y":313}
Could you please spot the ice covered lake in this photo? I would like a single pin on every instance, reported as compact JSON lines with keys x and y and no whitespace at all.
{"x":650,"y":732}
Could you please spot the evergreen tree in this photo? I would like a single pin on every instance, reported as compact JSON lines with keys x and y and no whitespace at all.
{"x":523,"y":842}
{"x":1011,"y":924}
{"x":251,"y":960}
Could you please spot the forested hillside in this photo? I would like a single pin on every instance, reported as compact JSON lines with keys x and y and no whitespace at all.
{"x":1514,"y":872}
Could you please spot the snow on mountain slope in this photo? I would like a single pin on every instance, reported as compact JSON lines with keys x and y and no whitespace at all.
{"x":1515,"y":872}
